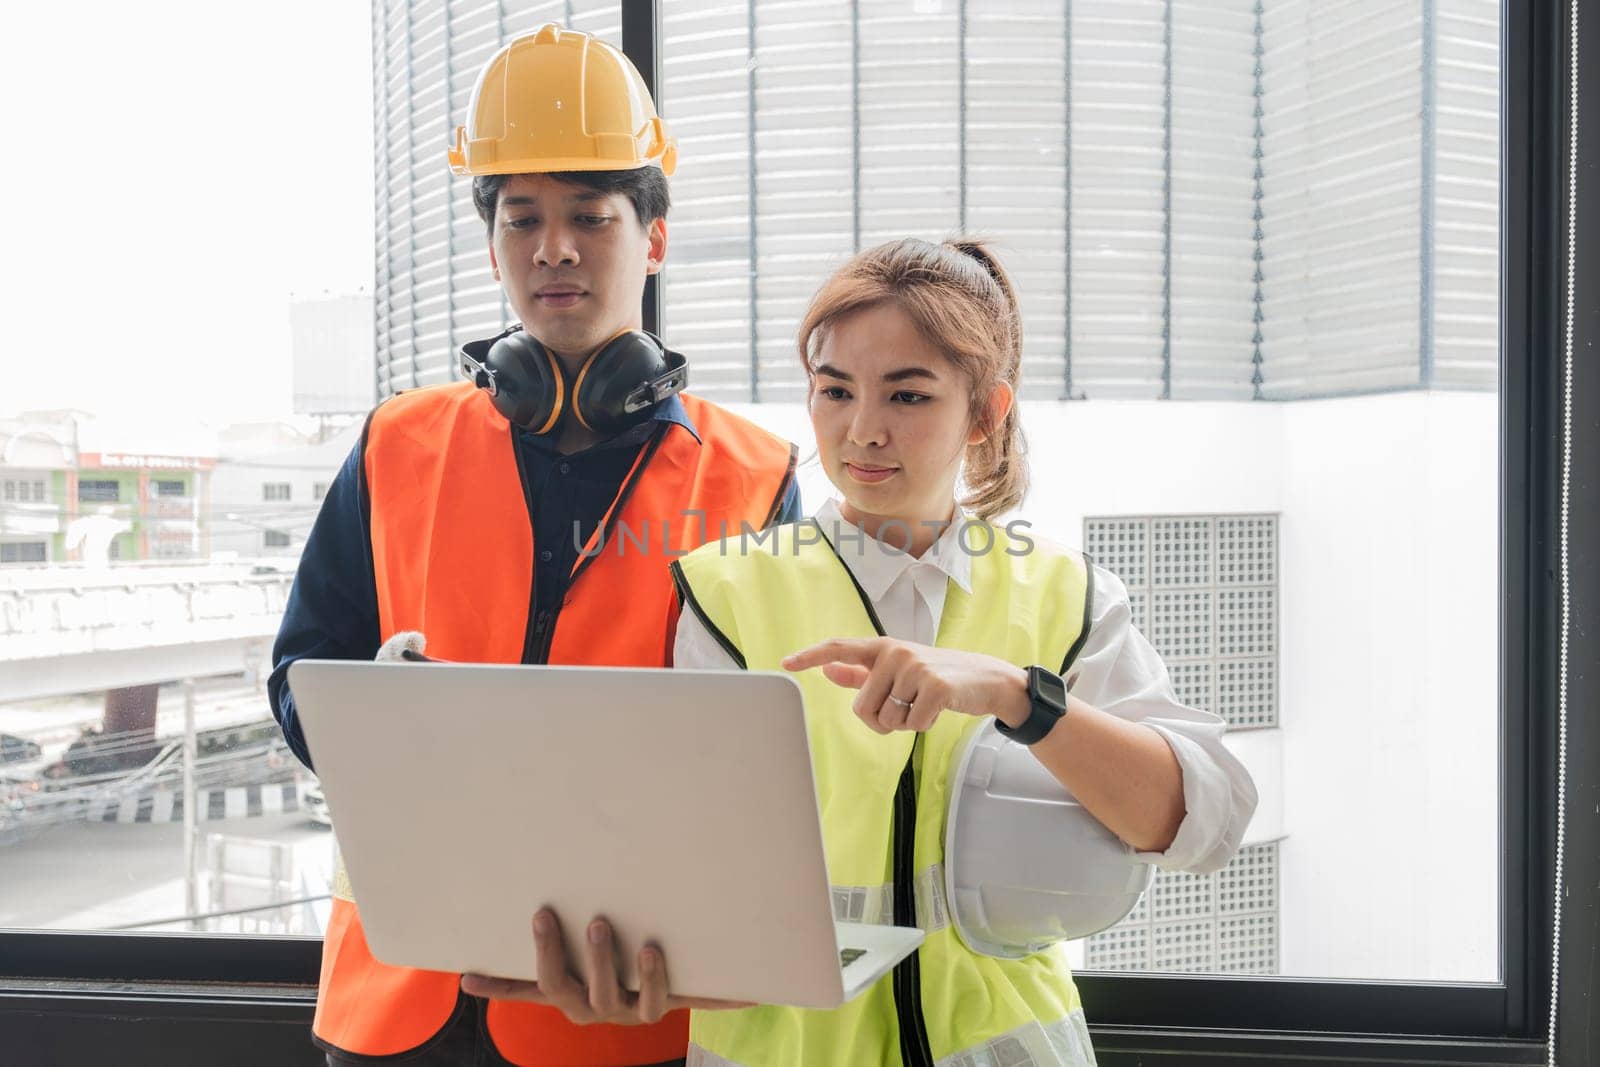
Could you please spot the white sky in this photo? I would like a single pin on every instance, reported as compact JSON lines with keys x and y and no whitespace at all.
{"x":172,"y":171}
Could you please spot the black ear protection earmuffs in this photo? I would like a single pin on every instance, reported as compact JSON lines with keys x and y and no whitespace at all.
{"x":615,"y":388}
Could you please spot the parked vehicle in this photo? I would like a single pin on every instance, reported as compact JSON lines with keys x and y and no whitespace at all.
{"x":315,"y":805}
{"x":14,"y":749}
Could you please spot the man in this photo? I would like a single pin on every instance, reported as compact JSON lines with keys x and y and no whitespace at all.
{"x":483,"y":513}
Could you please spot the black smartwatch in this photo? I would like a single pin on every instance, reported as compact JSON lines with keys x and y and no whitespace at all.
{"x":1047,"y":700}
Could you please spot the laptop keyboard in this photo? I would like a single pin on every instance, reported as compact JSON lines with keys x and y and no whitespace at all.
{"x":847,"y":956}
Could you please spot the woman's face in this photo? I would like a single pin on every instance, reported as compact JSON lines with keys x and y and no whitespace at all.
{"x":891,"y":417}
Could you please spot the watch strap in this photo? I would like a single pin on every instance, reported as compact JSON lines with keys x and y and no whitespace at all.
{"x":1047,"y":703}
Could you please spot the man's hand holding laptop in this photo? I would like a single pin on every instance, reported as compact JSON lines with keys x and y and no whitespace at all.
{"x":602,"y":1000}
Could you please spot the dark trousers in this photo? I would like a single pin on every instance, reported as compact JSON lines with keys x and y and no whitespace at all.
{"x":464,"y":1042}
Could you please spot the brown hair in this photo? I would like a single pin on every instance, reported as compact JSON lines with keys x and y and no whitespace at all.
{"x":963,"y":303}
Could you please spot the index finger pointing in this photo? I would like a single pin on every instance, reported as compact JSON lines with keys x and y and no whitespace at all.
{"x":862,"y":652}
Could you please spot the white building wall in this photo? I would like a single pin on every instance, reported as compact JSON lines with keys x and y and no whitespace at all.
{"x":1389,"y":542}
{"x":241,"y":516}
{"x":1383,"y":780}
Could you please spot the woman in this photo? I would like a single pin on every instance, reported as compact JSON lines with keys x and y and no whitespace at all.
{"x":924,"y":619}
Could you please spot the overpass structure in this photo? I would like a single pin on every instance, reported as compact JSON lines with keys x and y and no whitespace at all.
{"x":125,"y":630}
{"x":66,"y":630}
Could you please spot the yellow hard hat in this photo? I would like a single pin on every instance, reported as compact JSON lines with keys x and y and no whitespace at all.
{"x":555,"y":100}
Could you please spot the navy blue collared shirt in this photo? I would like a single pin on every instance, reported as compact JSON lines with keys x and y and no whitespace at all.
{"x":332,"y":611}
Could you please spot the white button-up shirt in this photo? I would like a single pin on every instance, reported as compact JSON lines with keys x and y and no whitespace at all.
{"x":1117,"y":671}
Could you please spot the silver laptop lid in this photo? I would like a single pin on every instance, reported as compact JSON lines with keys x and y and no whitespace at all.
{"x":678,"y":804}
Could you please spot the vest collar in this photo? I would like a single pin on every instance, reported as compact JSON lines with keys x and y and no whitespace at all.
{"x":672,"y":410}
{"x":877,"y":567}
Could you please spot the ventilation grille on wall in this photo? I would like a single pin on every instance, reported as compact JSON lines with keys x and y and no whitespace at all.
{"x":1204,"y":589}
{"x":1222,"y":923}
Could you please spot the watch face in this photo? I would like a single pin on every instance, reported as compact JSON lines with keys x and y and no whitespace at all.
{"x":1050,"y":687}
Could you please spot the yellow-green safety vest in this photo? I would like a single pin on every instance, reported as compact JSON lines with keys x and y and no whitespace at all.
{"x":883,"y":801}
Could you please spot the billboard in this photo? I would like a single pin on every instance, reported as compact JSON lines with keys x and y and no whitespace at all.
{"x":333,"y":353}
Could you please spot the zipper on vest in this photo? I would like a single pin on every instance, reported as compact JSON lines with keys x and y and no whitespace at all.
{"x":540,"y":637}
{"x":536,"y":640}
{"x":915,"y":1050}
{"x":914,"y":1045}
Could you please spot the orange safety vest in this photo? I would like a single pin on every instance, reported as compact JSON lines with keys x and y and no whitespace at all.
{"x":452,"y":555}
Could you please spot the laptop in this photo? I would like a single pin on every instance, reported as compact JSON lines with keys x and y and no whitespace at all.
{"x":678,"y":804}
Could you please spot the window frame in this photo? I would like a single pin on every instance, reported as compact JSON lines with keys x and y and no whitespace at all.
{"x":61,"y":983}
{"x":44,"y":547}
{"x":115,"y":484}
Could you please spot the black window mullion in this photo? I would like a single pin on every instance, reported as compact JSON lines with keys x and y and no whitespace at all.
{"x":1530,"y":168}
{"x":641,"y":43}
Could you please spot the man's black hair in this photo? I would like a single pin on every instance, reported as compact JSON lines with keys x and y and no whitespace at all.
{"x":645,"y":187}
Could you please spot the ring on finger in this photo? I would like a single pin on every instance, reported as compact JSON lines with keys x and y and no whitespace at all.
{"x":897,"y":700}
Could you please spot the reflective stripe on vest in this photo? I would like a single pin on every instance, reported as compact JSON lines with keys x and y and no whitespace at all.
{"x":1027,"y":606}
{"x":452,"y":553}
{"x":874,"y":904}
{"x":1063,"y":1043}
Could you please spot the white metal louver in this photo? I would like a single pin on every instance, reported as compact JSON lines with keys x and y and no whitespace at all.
{"x":431,"y":189}
{"x":1211,"y":225}
{"x":1466,"y":220}
{"x":1117,"y":195}
{"x":910,"y":107}
{"x":803,"y":166}
{"x":1198,"y":200}
{"x":1016,"y":168}
{"x":1341,"y":197}
{"x":478,"y":308}
{"x":706,"y":287}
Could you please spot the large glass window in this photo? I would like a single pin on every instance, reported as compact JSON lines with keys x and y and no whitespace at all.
{"x":1256,"y":249}
{"x":1257,"y":244}
{"x":143,"y":783}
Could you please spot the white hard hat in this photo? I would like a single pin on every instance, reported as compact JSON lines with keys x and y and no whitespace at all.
{"x":1024,"y":864}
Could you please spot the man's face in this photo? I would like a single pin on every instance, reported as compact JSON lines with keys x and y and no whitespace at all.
{"x":572,"y":261}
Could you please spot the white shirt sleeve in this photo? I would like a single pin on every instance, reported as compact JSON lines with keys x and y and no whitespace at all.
{"x":1119,"y":672}
{"x":694,"y":647}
